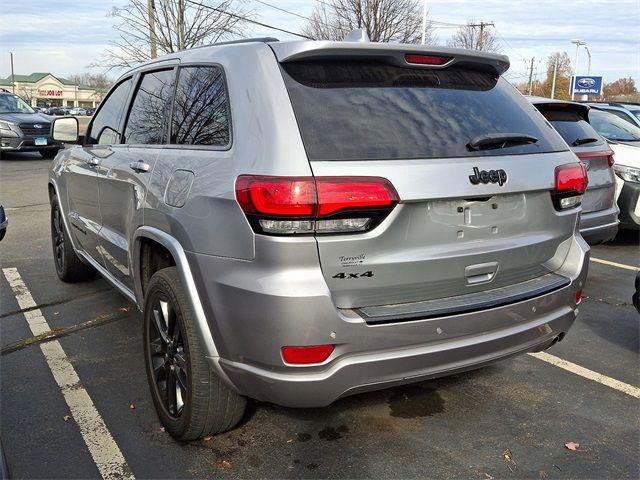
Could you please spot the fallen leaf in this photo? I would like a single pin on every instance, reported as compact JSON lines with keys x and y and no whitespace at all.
{"x":207,"y":441}
{"x":124,"y":309}
{"x":508,"y":458}
{"x":572,"y":446}
{"x":162,"y":429}
{"x":223,"y":464}
{"x":66,"y":418}
{"x":290,"y":440}
{"x":102,"y":316}
{"x":132,"y":406}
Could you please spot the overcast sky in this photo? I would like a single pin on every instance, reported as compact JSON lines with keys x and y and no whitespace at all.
{"x":65,"y":36}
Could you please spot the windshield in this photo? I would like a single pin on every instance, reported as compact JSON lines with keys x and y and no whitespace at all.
{"x":14,"y":104}
{"x":612,"y":127}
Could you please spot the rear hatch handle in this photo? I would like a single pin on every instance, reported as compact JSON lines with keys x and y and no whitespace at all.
{"x":480,"y":273}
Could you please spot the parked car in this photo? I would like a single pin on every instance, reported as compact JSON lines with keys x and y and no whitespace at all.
{"x":302,"y":221}
{"x":628,"y":113}
{"x":599,"y":218}
{"x":624,"y":140}
{"x":90,"y":111}
{"x":77,"y":111}
{"x":24,"y":130}
{"x":613,"y":128}
{"x":4,"y":221}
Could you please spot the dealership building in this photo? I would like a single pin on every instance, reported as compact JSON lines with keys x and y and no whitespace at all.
{"x":47,"y":90}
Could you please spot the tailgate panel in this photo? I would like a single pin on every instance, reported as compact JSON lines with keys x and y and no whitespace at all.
{"x":449,"y":237}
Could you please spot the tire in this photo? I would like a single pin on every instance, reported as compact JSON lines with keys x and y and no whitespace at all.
{"x":68,"y":265}
{"x":190,"y":399}
{"x":48,"y":153}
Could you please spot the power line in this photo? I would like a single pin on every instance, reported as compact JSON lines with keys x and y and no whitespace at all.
{"x":282,"y":9}
{"x":245,"y":19}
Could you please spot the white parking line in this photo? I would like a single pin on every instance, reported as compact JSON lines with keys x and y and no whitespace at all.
{"x":614,"y":264}
{"x":103,"y":448}
{"x":590,"y":374}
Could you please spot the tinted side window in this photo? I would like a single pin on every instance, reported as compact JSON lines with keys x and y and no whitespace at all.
{"x":201,"y":113}
{"x":104,"y":129}
{"x":149,"y":113}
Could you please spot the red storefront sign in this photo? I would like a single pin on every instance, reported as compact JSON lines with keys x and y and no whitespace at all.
{"x":49,"y":93}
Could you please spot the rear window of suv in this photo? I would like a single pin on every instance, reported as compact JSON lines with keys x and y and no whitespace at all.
{"x":368,"y":110}
{"x":572,"y":127}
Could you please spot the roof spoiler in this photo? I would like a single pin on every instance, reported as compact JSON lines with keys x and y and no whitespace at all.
{"x":356,"y":47}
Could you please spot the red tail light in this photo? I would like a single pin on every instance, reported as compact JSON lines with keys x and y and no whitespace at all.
{"x":426,"y":59}
{"x":303,"y":205}
{"x":571,"y":183}
{"x":307,"y":355}
{"x":605,"y":153}
{"x":578,"y":297}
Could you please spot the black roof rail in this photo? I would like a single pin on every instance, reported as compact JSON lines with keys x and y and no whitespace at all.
{"x":246,"y":40}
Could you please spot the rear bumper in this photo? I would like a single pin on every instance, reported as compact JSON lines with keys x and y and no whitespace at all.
{"x":600,"y":226}
{"x":629,"y":204}
{"x":354,"y":374}
{"x":250,"y":326}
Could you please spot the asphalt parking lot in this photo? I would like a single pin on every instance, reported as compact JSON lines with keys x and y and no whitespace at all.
{"x":509,"y":420}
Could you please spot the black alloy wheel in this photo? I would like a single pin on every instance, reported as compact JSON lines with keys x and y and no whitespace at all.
{"x":57,"y":234}
{"x":168,"y":355}
{"x":191,"y":400}
{"x":69,"y":267}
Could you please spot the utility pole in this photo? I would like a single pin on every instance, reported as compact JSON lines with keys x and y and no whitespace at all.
{"x":180,"y":24}
{"x":424,"y":22}
{"x":481,"y":25}
{"x":13,"y":85}
{"x":553,"y":82}
{"x":151,"y":9}
{"x":531,"y":76}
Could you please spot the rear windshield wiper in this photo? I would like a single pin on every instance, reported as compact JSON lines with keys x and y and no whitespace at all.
{"x":499,"y":140}
{"x":581,"y":141}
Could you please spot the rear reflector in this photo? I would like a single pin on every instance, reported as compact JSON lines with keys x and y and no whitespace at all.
{"x":307,"y":355}
{"x":570,"y":184}
{"x":306,"y":205}
{"x":426,"y":59}
{"x":578,"y":297}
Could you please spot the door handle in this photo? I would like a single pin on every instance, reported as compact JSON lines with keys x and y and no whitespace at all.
{"x":139,"y":166}
{"x":93,"y":162}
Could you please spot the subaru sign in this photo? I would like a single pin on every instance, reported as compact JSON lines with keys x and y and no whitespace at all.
{"x":587,"y":85}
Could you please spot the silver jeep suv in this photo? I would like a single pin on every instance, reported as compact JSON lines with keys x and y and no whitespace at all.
{"x":302,"y":221}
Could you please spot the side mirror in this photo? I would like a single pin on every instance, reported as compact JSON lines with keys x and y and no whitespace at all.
{"x":65,"y":129}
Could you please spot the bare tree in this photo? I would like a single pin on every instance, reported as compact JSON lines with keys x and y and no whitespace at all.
{"x":383,"y":20}
{"x":99,"y":81}
{"x":175,"y":25}
{"x":475,"y":36}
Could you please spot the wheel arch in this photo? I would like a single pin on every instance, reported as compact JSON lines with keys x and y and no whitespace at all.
{"x":147,"y":237}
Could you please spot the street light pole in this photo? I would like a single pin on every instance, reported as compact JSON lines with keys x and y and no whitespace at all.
{"x":575,"y":67}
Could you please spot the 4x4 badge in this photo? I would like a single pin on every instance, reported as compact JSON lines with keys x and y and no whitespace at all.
{"x":493,"y":176}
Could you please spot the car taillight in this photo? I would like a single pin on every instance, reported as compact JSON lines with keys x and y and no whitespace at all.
{"x":570,"y":184}
{"x":578,"y":297}
{"x":426,"y":59}
{"x":307,"y":355}
{"x":320,"y":205}
{"x":605,"y":153}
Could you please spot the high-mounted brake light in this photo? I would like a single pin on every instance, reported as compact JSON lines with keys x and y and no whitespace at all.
{"x":426,"y":59}
{"x":305,"y":205}
{"x":570,"y":184}
{"x":307,"y":355}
